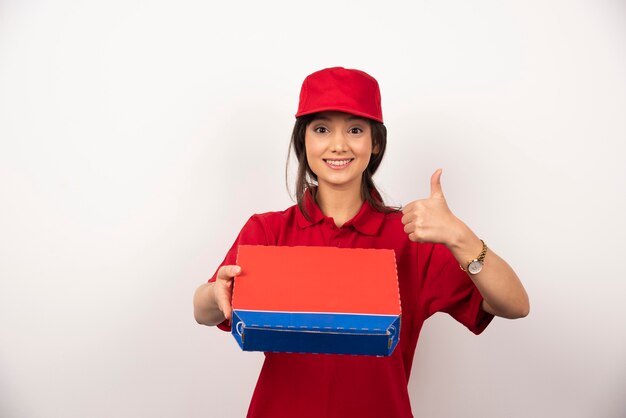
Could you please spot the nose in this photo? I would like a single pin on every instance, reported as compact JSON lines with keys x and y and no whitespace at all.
{"x":338,"y":142}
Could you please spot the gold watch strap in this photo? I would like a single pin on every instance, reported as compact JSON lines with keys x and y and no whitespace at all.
{"x":481,"y":256}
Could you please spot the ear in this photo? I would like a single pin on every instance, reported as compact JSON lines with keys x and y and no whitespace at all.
{"x":375,"y":150}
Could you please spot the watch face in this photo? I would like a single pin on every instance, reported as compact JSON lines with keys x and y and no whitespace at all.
{"x":475,"y":267}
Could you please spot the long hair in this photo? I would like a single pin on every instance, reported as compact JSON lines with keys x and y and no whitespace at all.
{"x":306,"y":178}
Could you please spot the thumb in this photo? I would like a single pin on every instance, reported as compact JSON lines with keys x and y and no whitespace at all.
{"x":435,"y":184}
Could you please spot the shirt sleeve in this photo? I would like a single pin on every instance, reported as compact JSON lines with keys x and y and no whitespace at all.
{"x":447,"y":288}
{"x":252,"y":233}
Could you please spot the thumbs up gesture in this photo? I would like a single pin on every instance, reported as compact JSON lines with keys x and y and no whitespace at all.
{"x":430,"y":220}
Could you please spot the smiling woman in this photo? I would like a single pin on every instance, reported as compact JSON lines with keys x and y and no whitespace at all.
{"x":339,"y":140}
{"x":338,"y":150}
{"x":336,"y":91}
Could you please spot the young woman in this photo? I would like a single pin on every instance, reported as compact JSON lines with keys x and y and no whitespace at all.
{"x":339,"y":141}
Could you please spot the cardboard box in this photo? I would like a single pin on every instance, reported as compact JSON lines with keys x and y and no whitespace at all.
{"x":316,"y":300}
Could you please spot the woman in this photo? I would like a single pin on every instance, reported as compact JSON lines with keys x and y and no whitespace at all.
{"x":339,"y":140}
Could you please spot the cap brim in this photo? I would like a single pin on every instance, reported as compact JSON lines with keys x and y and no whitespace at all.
{"x":340,"y":109}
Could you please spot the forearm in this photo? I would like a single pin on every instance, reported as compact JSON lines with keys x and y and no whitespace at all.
{"x":502,"y":291}
{"x":205,"y":309}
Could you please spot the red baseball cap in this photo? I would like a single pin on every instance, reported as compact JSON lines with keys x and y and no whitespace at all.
{"x":341,"y":89}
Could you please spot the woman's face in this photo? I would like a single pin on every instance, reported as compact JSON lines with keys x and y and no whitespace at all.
{"x":338,"y":149}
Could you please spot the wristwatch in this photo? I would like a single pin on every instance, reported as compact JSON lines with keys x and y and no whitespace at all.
{"x":476,"y":265}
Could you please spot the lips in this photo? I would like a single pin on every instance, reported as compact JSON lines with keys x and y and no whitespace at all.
{"x":338,"y":163}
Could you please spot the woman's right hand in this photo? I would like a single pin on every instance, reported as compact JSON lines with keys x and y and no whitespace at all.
{"x":223,"y":288}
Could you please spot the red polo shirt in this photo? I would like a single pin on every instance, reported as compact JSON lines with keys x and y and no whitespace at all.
{"x":345,"y":386}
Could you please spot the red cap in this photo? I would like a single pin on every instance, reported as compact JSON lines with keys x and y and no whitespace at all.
{"x":341,"y":89}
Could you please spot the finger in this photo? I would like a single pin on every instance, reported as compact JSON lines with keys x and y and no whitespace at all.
{"x":435,"y":183}
{"x":228,"y":272}
{"x":408,"y":208}
{"x":408,"y":218}
{"x":226,"y":309}
{"x":222,"y":298}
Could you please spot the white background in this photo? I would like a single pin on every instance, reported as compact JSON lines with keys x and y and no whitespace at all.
{"x":136,"y":137}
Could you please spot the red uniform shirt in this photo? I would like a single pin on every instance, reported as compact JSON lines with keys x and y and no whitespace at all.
{"x":345,"y":386}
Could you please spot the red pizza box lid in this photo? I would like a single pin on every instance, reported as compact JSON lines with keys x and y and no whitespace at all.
{"x":317,"y":279}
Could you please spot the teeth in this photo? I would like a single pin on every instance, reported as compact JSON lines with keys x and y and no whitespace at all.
{"x":338,"y":162}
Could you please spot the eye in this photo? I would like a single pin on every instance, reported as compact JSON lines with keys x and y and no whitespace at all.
{"x":320,"y":129}
{"x":356,"y":130}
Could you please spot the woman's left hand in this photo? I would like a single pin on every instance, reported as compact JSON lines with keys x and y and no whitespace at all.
{"x":430,"y":220}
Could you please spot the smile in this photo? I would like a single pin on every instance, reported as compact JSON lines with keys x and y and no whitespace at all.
{"x":338,"y":164}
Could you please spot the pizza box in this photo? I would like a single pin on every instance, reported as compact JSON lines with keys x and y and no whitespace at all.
{"x":308,"y":299}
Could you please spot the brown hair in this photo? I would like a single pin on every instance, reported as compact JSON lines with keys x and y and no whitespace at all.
{"x":306,"y":178}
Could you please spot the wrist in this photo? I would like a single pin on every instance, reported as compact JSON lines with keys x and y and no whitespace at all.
{"x":462,"y":239}
{"x":465,"y":246}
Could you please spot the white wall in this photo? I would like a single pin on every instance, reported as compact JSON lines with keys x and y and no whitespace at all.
{"x":137,"y":137}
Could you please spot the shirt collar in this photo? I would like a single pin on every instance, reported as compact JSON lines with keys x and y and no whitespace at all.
{"x":367,"y":221}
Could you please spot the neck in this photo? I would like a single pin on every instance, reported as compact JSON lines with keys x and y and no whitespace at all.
{"x":339,"y":204}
